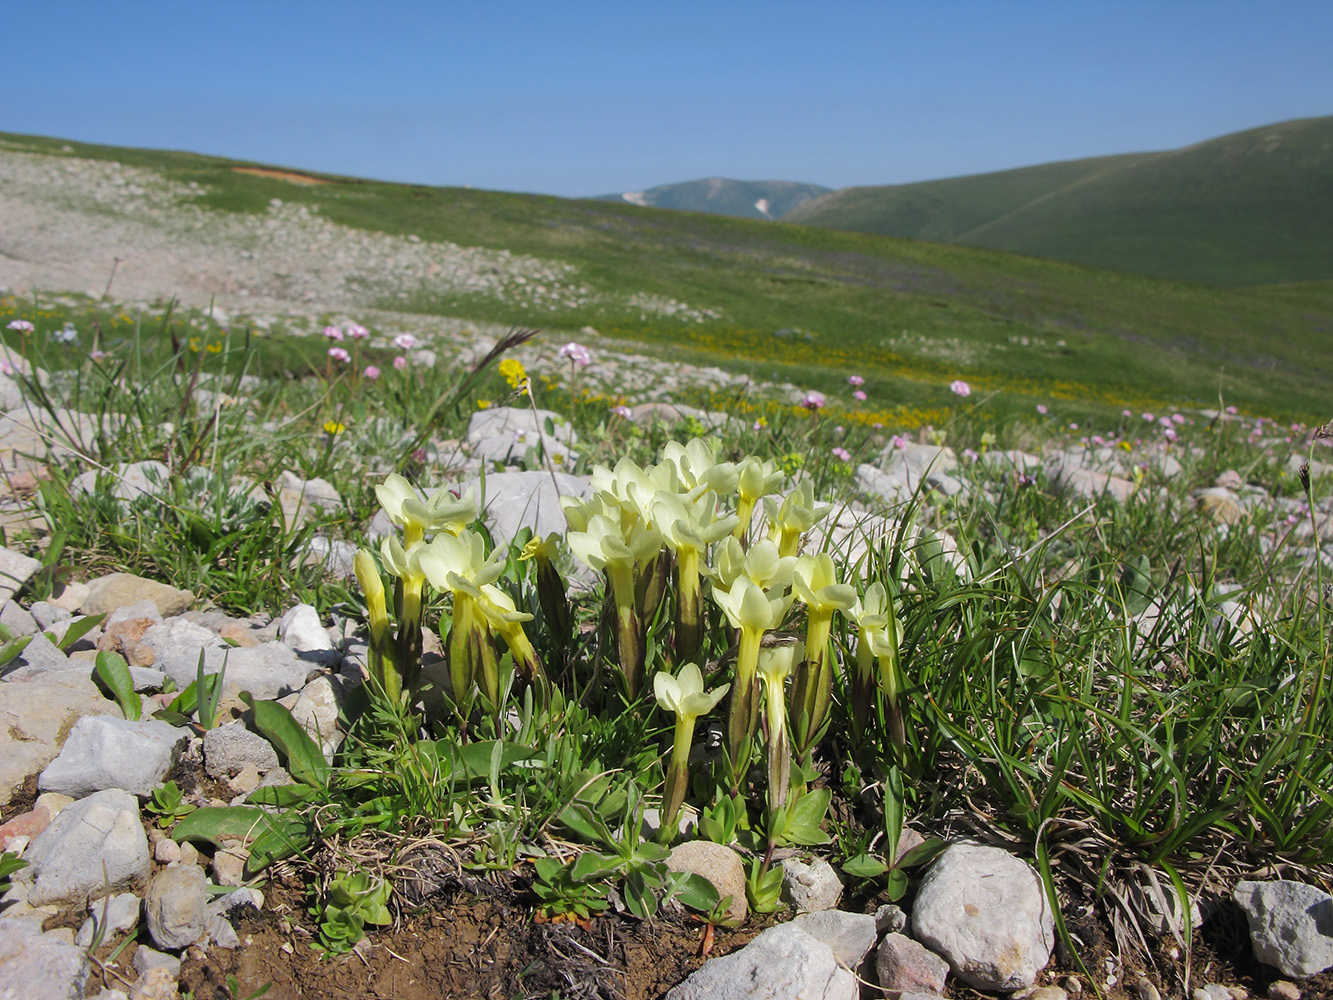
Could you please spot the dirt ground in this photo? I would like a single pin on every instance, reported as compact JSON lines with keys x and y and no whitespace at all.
{"x":474,"y":938}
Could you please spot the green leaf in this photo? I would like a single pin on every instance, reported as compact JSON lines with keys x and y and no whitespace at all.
{"x":212,"y":693}
{"x":805,"y":816}
{"x":476,"y":759}
{"x":590,"y":866}
{"x":112,"y":671}
{"x":305,"y":761}
{"x":218,"y":823}
{"x":173,"y":718}
{"x":694,"y":891}
{"x":928,"y":850}
{"x":864,"y":866}
{"x":286,"y":834}
{"x":282,"y":796}
{"x":581,"y":819}
{"x":76,"y":631}
{"x":896,"y":884}
{"x":12,"y":648}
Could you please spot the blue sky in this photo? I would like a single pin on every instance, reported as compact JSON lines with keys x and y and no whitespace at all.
{"x":589,"y":98}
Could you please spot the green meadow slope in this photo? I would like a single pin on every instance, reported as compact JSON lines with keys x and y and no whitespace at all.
{"x":1255,"y":207}
{"x":810,"y":305}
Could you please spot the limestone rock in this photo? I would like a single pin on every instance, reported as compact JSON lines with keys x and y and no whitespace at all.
{"x":229,"y":749}
{"x":1291,"y":925}
{"x":35,"y":718}
{"x":986,"y":913}
{"x":783,"y":961}
{"x":34,"y":965}
{"x":95,"y":844}
{"x":720,"y":865}
{"x":904,"y":966}
{"x":815,"y":886}
{"x":176,"y":908}
{"x":105,"y":752}
{"x":115,"y":590}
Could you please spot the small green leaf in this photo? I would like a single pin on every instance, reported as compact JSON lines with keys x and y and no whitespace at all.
{"x":13,"y":647}
{"x":695,"y":891}
{"x":805,"y":817}
{"x":112,"y":671}
{"x":590,"y":866}
{"x":77,"y":630}
{"x":927,"y":850}
{"x":896,"y":885}
{"x":218,"y":823}
{"x":864,"y":866}
{"x":305,"y":761}
{"x":282,"y":796}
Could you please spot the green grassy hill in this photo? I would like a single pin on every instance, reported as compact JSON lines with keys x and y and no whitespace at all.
{"x":1251,"y":208}
{"x":726,"y":197}
{"x":810,"y":305}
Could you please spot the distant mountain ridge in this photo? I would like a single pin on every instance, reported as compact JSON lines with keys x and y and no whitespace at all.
{"x":720,"y":196}
{"x":1253,"y":207}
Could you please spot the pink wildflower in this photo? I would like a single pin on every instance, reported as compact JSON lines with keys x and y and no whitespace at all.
{"x":1177,"y":418}
{"x":1041,"y":408}
{"x":1148,"y":417}
{"x":970,"y":454}
{"x":1232,"y":410}
{"x":622,"y":411}
{"x":1073,"y":427}
{"x":842,"y":454}
{"x":813,"y":400}
{"x":338,"y":354}
{"x":371,"y":372}
{"x":1126,"y":413}
{"x":859,"y":395}
{"x":576,"y":353}
{"x":960,"y":388}
{"x":357,"y":332}
{"x":855,"y":381}
{"x":333,"y":333}
{"x":1170,"y":433}
{"x":899,"y":442}
{"x":400,"y":362}
{"x":20,"y":326}
{"x":404,"y":342}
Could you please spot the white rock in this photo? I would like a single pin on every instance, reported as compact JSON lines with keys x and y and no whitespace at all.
{"x":105,"y":752}
{"x":301,"y":631}
{"x":1291,"y":925}
{"x":176,"y":907}
{"x":37,"y":966}
{"x":15,"y":569}
{"x":36,"y":718}
{"x":95,"y":844}
{"x":815,"y":886}
{"x":316,"y":711}
{"x":515,"y":500}
{"x":986,"y":913}
{"x":783,"y":961}
{"x":114,"y":914}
